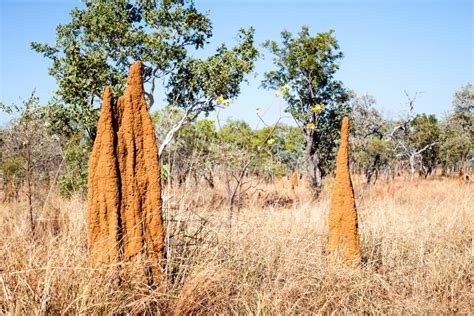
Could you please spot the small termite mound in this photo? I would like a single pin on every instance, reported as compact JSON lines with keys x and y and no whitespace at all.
{"x":343,"y":225}
{"x":463,"y":177}
{"x":124,"y":219}
{"x":294,"y":180}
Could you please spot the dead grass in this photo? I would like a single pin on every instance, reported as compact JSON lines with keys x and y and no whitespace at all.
{"x":416,"y":242}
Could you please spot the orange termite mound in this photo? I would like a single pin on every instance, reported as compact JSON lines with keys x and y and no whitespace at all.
{"x":461,"y":177}
{"x":294,"y":180}
{"x":124,"y":219}
{"x":343,"y":234}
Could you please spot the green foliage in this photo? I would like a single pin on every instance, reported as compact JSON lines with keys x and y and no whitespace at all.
{"x":75,"y":177}
{"x":306,"y":65}
{"x":326,"y":136}
{"x":164,"y":119}
{"x":200,"y":149}
{"x":199,"y":83}
{"x":237,"y":133}
{"x":165,"y":173}
{"x":282,"y":153}
{"x":456,"y":145}
{"x":377,"y":156}
{"x":14,"y":174}
{"x":426,"y":131}
{"x":371,"y":151}
{"x":457,"y":130}
{"x":270,"y":151}
{"x":377,"y":147}
{"x":463,"y":102}
{"x":192,"y":151}
{"x":59,"y":122}
{"x":196,"y":140}
{"x":96,"y":48}
{"x":75,"y":147}
{"x":13,"y":168}
{"x":28,"y":151}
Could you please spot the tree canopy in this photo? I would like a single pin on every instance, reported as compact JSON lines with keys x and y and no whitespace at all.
{"x":96,"y":48}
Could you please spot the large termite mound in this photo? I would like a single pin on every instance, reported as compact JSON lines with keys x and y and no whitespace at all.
{"x":343,"y":227}
{"x":124,"y":219}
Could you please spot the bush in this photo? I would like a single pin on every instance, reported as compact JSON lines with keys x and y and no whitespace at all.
{"x":75,"y":178}
{"x":13,"y":176}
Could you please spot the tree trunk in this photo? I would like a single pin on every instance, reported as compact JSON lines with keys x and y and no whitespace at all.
{"x":30,"y":206}
{"x":29,"y":190}
{"x":412,"y":167}
{"x":209,"y":177}
{"x":314,"y":166}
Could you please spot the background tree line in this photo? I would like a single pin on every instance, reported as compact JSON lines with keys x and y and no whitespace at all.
{"x":206,"y":149}
{"x":417,"y":144}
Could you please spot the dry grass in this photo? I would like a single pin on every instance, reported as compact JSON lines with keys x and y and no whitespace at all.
{"x":416,"y":243}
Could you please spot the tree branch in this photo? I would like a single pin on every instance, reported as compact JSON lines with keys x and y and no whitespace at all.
{"x":189,"y":115}
{"x":425,"y":148}
{"x":174,"y":129}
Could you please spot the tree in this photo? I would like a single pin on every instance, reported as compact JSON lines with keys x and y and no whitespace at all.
{"x":463,"y":102}
{"x":411,"y":138}
{"x":288,"y":148}
{"x":372,"y":152}
{"x":426,"y":133}
{"x":96,"y":48}
{"x":457,"y":130}
{"x":304,"y":75}
{"x":29,"y":154}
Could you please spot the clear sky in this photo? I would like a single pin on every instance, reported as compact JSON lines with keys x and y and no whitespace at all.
{"x":390,"y":46}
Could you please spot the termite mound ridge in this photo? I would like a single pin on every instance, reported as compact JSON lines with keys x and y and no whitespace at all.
{"x":124,"y":219}
{"x":343,"y":223}
{"x":103,"y":218}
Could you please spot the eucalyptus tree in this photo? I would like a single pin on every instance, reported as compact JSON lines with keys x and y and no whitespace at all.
{"x":305,"y":67}
{"x":457,"y":131}
{"x":103,"y":38}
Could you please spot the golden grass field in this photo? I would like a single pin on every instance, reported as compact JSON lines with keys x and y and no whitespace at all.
{"x":416,"y":237}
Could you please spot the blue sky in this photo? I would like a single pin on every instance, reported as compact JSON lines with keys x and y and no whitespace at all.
{"x":390,"y":46}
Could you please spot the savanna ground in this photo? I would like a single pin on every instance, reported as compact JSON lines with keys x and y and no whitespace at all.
{"x":416,"y":241}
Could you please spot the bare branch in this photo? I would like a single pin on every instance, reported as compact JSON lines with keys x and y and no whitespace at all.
{"x":189,"y":115}
{"x":174,"y":129}
{"x":425,"y":148}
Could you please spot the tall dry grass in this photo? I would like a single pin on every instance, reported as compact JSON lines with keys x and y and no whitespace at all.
{"x":416,"y":242}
